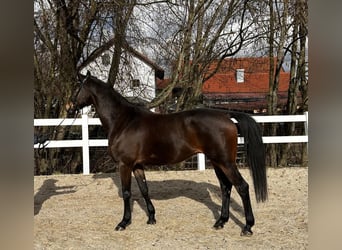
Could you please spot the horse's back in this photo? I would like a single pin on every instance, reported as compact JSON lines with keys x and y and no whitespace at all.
{"x":189,"y":121}
{"x":208,"y":120}
{"x":201,"y":129}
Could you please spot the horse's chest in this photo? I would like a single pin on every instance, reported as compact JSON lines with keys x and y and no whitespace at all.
{"x":124,"y":147}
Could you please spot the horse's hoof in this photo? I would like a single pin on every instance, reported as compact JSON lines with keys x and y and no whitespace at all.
{"x":246,"y":232}
{"x":220,"y":223}
{"x":120,"y":228}
{"x":218,"y":227}
{"x":151,"y":221}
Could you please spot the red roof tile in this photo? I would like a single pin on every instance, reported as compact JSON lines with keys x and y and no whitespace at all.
{"x":256,"y":77}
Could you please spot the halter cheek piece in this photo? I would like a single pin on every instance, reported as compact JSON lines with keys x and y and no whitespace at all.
{"x":81,"y":82}
{"x":73,"y":110}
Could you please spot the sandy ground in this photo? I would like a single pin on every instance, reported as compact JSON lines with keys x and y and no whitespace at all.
{"x":81,"y":212}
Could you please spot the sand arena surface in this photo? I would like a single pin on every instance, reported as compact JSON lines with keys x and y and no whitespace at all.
{"x":81,"y":212}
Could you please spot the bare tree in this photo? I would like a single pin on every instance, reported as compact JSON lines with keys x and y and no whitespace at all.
{"x":68,"y":35}
{"x":122,"y":10}
{"x":61,"y":29}
{"x":208,"y":32}
{"x":298,"y":71}
{"x":282,"y":25}
{"x":278,"y":29}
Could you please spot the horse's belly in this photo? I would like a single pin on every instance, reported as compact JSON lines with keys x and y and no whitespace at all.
{"x":168,"y":155}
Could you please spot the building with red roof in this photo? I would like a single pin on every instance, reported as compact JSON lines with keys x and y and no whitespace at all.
{"x":243,"y":84}
{"x":239,"y":84}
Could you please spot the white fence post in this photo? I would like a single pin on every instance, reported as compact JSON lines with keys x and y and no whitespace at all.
{"x":200,"y":161}
{"x":306,"y":123}
{"x":85,"y":144}
{"x":306,"y":127}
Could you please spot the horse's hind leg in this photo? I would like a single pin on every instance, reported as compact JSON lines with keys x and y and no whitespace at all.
{"x":243,"y":190}
{"x":226,"y":187}
{"x":141,"y":180}
{"x":242,"y":187}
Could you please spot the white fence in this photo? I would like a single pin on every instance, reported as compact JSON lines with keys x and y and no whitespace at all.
{"x":85,"y":142}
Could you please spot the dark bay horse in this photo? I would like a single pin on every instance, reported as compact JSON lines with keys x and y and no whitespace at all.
{"x":138,"y":137}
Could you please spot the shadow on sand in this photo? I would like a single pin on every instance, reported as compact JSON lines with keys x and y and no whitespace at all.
{"x":47,"y":190}
{"x":170,"y":189}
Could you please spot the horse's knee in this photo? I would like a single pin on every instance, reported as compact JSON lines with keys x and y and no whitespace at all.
{"x":126,"y":195}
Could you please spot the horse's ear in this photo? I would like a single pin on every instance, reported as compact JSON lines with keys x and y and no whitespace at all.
{"x":79,"y":76}
{"x":88,"y":73}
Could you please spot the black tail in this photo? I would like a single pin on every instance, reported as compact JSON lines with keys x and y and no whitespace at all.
{"x":255,"y":152}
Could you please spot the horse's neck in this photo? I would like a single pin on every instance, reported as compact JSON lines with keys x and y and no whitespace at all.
{"x":110,"y":108}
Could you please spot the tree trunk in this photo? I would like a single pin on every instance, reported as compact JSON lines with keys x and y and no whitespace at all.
{"x":280,"y":15}
{"x":272,"y":95}
{"x":297,"y":74}
{"x":291,"y":106}
{"x":122,"y":11}
{"x":302,"y":67}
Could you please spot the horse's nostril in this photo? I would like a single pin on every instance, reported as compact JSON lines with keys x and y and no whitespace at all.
{"x":69,"y":106}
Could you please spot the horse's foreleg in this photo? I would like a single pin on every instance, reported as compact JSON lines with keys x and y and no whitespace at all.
{"x":226,"y":187}
{"x":141,"y":180}
{"x":125,"y":175}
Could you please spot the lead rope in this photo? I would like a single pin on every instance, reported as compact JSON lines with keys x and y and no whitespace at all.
{"x":43,"y":139}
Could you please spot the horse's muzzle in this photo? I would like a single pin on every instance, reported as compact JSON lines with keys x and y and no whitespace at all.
{"x":71,"y":108}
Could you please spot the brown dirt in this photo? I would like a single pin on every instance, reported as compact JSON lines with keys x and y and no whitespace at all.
{"x":81,"y":212}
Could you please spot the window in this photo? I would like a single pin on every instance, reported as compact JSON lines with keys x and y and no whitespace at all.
{"x":135,"y":83}
{"x":105,"y":59}
{"x":240,"y":75}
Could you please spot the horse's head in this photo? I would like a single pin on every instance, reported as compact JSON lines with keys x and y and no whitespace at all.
{"x":81,"y":96}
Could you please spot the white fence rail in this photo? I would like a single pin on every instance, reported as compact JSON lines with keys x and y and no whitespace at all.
{"x":85,"y":142}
